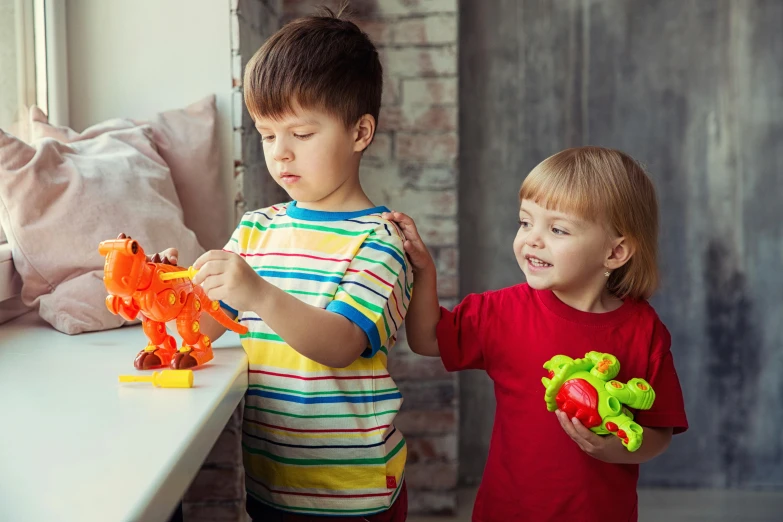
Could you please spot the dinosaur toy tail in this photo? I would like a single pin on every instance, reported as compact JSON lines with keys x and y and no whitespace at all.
{"x":213,"y":309}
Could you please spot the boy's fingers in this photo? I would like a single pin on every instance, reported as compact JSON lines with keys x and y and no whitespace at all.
{"x":213,"y":267}
{"x":207,"y":256}
{"x":170,"y":256}
{"x":205,"y":268}
{"x":214,"y":289}
{"x":167,"y":257}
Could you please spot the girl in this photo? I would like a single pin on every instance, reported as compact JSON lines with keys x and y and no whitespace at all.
{"x":588,"y":227}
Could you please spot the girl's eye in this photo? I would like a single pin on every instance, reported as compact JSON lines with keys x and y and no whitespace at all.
{"x":523,"y":223}
{"x":303,"y":136}
{"x":267,"y":138}
{"x":559,"y":231}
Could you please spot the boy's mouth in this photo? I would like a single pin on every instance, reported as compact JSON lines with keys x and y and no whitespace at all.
{"x":288,"y":177}
{"x":535,"y":262}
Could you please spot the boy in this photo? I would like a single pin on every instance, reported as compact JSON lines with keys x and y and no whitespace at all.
{"x":334,"y":286}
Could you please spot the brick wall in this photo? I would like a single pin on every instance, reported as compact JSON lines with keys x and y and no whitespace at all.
{"x":412,"y":167}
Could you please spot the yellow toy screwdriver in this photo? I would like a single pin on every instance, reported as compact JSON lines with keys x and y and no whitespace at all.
{"x":164,"y":379}
{"x":183,"y":274}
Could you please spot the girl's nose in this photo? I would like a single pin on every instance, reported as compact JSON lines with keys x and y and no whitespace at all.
{"x":534,"y":239}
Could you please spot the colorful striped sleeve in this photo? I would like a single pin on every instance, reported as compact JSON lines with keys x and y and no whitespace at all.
{"x":375,"y":291}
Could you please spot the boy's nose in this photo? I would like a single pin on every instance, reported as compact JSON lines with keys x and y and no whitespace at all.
{"x":282,"y":152}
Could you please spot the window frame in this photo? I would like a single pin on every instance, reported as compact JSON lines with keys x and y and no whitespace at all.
{"x":42,"y":57}
{"x":42,"y":80}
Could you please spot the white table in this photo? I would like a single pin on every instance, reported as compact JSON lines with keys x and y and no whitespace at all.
{"x":75,"y":445}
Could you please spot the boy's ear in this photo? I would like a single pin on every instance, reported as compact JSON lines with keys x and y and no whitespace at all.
{"x":364,"y":131}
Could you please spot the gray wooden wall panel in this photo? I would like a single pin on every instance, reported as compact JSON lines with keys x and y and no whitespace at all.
{"x":693,"y":89}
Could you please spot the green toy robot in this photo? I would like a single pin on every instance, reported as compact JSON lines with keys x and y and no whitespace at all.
{"x":586,"y":389}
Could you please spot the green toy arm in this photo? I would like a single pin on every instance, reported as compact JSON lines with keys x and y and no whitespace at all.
{"x":604,"y":366}
{"x":629,"y":432}
{"x":637,"y":394}
{"x":560,"y":368}
{"x":557,"y":362}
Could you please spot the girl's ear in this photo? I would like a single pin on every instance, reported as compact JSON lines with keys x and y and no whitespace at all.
{"x":621,"y":252}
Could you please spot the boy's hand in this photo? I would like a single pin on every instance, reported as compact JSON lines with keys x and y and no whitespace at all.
{"x":420,"y":257}
{"x":606,"y":449}
{"x":227,"y":277}
{"x":167,"y":257}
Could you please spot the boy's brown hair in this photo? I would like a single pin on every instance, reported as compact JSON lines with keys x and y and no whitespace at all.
{"x":610,"y":187}
{"x":318,"y":62}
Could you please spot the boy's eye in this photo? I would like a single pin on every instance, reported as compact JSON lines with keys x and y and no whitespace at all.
{"x":268,"y":138}
{"x":303,"y":136}
{"x":523,"y":223}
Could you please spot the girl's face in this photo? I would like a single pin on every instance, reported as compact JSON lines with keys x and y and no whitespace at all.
{"x":562,"y":252}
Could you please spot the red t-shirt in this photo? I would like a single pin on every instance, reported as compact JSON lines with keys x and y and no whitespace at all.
{"x":534,"y":470}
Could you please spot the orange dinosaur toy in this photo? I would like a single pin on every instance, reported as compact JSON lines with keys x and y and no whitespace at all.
{"x":135,"y":286}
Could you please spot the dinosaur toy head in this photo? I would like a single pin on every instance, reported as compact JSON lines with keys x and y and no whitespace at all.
{"x":125,"y":261}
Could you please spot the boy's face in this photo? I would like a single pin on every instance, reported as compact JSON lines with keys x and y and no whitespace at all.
{"x":559,"y":251}
{"x":313,"y":156}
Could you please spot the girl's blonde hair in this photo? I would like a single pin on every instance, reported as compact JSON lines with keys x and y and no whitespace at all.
{"x":605,"y":186}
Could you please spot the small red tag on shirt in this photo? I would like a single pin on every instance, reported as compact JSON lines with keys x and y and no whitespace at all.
{"x":391,"y":482}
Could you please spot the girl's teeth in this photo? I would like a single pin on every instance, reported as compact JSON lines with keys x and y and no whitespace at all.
{"x":538,"y":262}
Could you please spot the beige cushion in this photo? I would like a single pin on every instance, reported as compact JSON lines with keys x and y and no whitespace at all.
{"x":59,"y":200}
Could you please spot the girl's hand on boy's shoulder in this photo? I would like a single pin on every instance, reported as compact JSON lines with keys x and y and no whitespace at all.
{"x":606,"y":449}
{"x":420,"y":257}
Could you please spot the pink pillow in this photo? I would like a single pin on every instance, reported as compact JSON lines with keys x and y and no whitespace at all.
{"x":58,"y":201}
{"x":187,"y":141}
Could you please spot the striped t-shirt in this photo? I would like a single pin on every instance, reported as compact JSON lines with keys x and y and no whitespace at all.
{"x":320,"y":440}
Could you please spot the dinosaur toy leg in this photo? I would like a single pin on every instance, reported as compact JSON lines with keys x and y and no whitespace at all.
{"x":629,"y":432}
{"x":159,"y":351}
{"x":196,"y":347}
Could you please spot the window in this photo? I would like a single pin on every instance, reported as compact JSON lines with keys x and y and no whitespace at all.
{"x":32,"y":72}
{"x":17,"y":62}
{"x":32,"y":62}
